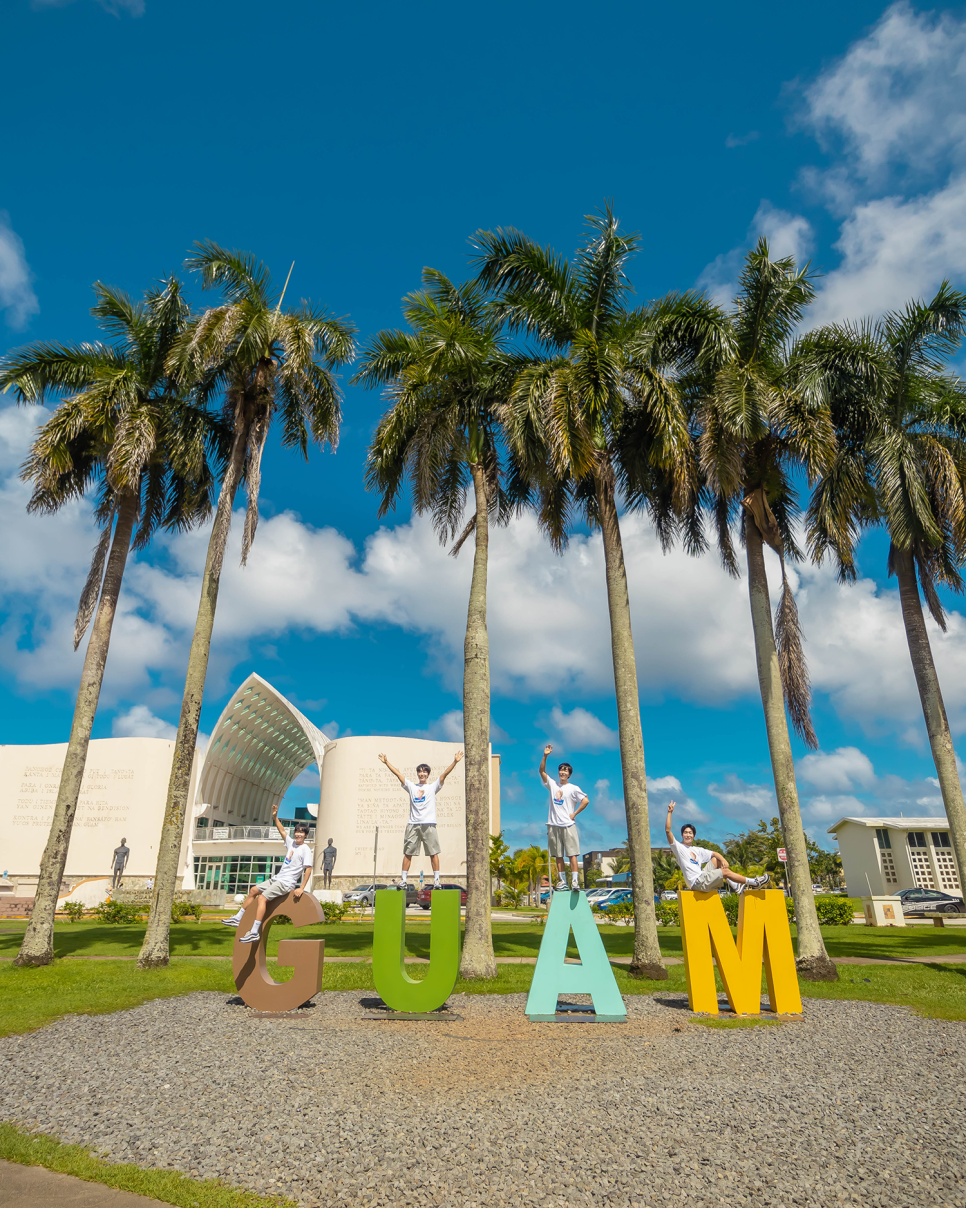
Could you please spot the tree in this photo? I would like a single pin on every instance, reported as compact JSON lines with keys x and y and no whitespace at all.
{"x":594,"y":414}
{"x":900,"y":416}
{"x":532,"y":864}
{"x":499,"y":865}
{"x":667,"y":874}
{"x":762,"y":417}
{"x":126,"y":429}
{"x":264,"y":360}
{"x":446,"y":378}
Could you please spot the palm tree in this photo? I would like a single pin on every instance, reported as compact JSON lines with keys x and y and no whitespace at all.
{"x":762,"y":417}
{"x":594,"y":414}
{"x":264,"y":360}
{"x":529,"y":864}
{"x":901,"y":421}
{"x":126,"y":428}
{"x":446,"y":378}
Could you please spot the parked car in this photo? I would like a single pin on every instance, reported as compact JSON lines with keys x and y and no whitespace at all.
{"x":595,"y":895}
{"x":669,"y":895}
{"x":928,"y":901}
{"x":620,"y":895}
{"x":424,"y":897}
{"x":363,"y":895}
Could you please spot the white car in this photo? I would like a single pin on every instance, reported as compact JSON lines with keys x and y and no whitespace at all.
{"x":669,"y":895}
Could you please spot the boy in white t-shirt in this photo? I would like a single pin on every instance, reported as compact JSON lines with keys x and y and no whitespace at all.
{"x":421,"y":828}
{"x":705,"y":870}
{"x":296,"y":867}
{"x":566,"y":802}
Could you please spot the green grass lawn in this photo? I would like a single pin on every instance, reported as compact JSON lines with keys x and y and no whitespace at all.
{"x":509,"y":939}
{"x":29,"y":1149}
{"x":30,"y":998}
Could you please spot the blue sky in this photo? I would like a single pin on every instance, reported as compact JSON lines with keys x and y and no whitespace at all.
{"x":364,"y":143}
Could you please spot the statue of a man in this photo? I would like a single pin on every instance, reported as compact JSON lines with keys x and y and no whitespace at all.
{"x":121,"y":855}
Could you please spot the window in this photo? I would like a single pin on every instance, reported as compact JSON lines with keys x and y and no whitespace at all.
{"x":940,"y":839}
{"x":917,"y":838}
{"x":882,"y":838}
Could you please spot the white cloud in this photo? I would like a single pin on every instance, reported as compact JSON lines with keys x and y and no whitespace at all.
{"x":843,"y":769}
{"x":447,"y":728}
{"x":580,"y":730}
{"x":17,"y":297}
{"x":140,"y":722}
{"x":607,"y":808}
{"x":898,"y":94}
{"x":893,"y":111}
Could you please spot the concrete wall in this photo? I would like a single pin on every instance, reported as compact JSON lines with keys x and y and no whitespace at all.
{"x":359,"y":793}
{"x":123,"y":796}
{"x":860,"y":860}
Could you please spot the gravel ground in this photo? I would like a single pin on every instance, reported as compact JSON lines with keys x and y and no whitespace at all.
{"x":858,"y":1102}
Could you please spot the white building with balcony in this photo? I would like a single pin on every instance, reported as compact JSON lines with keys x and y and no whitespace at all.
{"x":886,"y":855}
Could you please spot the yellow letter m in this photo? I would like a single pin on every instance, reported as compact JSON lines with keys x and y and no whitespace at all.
{"x":763,"y":938}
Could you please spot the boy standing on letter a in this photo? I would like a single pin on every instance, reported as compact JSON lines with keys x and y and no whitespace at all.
{"x":566,"y":802}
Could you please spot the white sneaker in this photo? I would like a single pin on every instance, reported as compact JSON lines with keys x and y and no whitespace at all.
{"x":758,"y":882}
{"x":574,"y":884}
{"x":250,"y":937}
{"x":230,"y":922}
{"x":561,"y":884}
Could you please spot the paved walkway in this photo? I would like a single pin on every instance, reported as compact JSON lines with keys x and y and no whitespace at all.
{"x":36,"y":1187}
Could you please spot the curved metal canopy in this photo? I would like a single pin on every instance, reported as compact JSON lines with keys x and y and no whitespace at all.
{"x":259,"y":746}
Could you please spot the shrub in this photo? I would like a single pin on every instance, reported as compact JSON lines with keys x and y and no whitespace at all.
{"x":508,"y":897}
{"x":667,"y":913}
{"x":178,"y":911}
{"x":283,"y":919}
{"x":730,"y":903}
{"x":834,"y":912}
{"x":119,"y":912}
{"x":334,"y":912}
{"x":619,"y":911}
{"x":74,"y":910}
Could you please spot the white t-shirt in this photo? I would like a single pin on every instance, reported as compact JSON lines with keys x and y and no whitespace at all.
{"x":690,"y":860}
{"x":422,"y":803}
{"x":297,"y":860}
{"x":565,"y":800}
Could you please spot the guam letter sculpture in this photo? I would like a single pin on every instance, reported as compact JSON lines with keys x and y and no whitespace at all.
{"x":398,"y":990}
{"x":593,"y":976}
{"x":255,"y":986}
{"x":763,"y":936}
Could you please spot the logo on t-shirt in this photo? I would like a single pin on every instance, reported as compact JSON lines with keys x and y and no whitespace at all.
{"x":419,"y":798}
{"x":694,"y":859}
{"x":558,"y":800}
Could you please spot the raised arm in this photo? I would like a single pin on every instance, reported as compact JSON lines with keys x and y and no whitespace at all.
{"x":456,"y":758}
{"x":395,"y":771}
{"x":667,"y":822}
{"x":281,"y":829}
{"x":543,"y":762}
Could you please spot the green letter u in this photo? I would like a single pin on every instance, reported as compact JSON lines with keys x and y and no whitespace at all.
{"x":396,"y":988}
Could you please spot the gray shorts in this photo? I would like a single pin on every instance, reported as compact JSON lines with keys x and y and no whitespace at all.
{"x":424,"y":834}
{"x":708,"y":878}
{"x":564,"y":840}
{"x":273,"y":889}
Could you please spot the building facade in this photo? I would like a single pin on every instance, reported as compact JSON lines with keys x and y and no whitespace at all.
{"x":259,"y":746}
{"x":886,"y":855}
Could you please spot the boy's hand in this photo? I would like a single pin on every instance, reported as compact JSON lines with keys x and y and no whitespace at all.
{"x":382,"y":758}
{"x":297,"y":894}
{"x":670,"y":808}
{"x":457,"y":757}
{"x":274,"y":811}
{"x":548,"y":748}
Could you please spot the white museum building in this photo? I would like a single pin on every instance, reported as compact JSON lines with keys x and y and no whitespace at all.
{"x":886,"y":855}
{"x":260,"y":745}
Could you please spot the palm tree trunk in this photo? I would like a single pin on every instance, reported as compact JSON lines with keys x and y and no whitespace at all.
{"x":933,"y":709}
{"x":478,"y":959}
{"x":154,"y":950}
{"x":38,"y":941}
{"x":813,"y":961}
{"x":647,"y":960}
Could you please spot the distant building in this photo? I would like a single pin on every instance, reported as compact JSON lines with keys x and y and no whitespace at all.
{"x":885,"y":855}
{"x":604,"y":862}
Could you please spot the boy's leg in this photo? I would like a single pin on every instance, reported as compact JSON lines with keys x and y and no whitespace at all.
{"x":434,"y":861}
{"x":258,"y":898}
{"x":236,"y":918}
{"x":736,"y":878}
{"x":574,"y":880}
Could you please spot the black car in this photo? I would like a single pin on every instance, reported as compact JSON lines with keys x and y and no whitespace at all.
{"x":928,"y":901}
